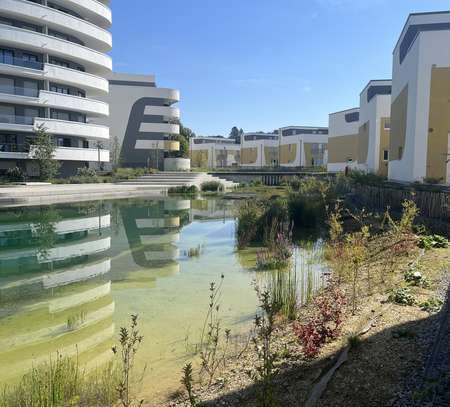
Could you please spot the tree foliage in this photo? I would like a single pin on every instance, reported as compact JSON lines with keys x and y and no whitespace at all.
{"x":43,"y":151}
{"x":236,"y":134}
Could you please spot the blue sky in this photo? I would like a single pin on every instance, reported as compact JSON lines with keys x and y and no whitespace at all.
{"x":260,"y":64}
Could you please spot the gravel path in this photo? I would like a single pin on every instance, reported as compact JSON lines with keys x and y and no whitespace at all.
{"x":430,"y":386}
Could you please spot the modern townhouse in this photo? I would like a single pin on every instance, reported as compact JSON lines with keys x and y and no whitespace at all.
{"x":303,"y":146}
{"x":143,"y":123}
{"x":343,"y":140}
{"x":53,"y":69}
{"x":420,"y":112}
{"x":214,"y":152}
{"x":259,"y":150}
{"x":374,"y":126}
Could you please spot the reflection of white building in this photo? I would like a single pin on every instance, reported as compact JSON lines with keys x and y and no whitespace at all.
{"x":259,"y":150}
{"x":214,"y":152}
{"x":54,"y":291}
{"x":303,"y":146}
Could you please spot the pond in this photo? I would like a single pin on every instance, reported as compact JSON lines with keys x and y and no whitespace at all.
{"x":71,"y":276}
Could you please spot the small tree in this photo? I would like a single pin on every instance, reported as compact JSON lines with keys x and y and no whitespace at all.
{"x":43,"y":151}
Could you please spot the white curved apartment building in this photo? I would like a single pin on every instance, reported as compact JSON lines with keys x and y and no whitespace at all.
{"x":53,"y":69}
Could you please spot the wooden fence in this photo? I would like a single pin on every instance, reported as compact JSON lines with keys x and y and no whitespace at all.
{"x":432,"y":204}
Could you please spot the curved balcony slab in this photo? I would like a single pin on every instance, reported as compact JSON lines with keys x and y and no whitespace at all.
{"x":92,"y":36}
{"x":93,"y":10}
{"x":165,"y":128}
{"x":65,"y":76}
{"x":165,"y":111}
{"x":167,"y":145}
{"x":67,"y":128}
{"x":64,"y":154}
{"x":168,"y":95}
{"x":93,"y":61}
{"x":73,"y":103}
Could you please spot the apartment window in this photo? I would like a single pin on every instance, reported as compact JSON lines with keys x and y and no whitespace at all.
{"x":7,"y":114}
{"x":387,"y":126}
{"x":63,"y":142}
{"x":30,"y":114}
{"x":58,"y":115}
{"x":58,"y":62}
{"x":385,"y":155}
{"x":30,"y":88}
{"x":85,"y":144}
{"x":7,"y":85}
{"x":59,"y":89}
{"x":6,"y":56}
{"x":400,"y":152}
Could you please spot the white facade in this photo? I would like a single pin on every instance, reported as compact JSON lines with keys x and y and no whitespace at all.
{"x":214,"y":152}
{"x":375,"y":112}
{"x":53,"y":69}
{"x":259,"y":150}
{"x":343,"y":131}
{"x":423,"y":46}
{"x":310,"y":146}
{"x":143,"y":122}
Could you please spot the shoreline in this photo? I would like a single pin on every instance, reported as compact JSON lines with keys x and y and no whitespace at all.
{"x":36,"y":195}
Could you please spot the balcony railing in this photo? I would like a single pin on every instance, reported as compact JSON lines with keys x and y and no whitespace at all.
{"x":17,"y":90}
{"x":13,"y":119}
{"x":22,"y":62}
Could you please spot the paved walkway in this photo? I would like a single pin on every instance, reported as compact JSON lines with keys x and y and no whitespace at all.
{"x":28,"y":195}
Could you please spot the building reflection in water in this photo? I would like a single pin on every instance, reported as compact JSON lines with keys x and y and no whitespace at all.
{"x":55,"y":289}
{"x":60,"y":267}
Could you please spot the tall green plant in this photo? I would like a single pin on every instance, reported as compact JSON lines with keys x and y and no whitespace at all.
{"x":43,"y":151}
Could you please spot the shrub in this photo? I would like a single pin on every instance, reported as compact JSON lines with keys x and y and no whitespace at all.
{"x":86,"y":172}
{"x":211,"y":186}
{"x":184,"y":189}
{"x":431,"y":305}
{"x":416,"y":278}
{"x":432,"y":181}
{"x":130,"y":173}
{"x":15,"y":174}
{"x":366,"y":178}
{"x":402,"y":296}
{"x":325,"y":322}
{"x":433,"y":242}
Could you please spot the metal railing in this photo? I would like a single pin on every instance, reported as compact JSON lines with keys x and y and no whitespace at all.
{"x":14,"y":148}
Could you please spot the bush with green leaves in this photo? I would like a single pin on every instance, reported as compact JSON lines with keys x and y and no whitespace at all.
{"x":184,"y":189}
{"x":402,"y":296}
{"x":15,"y":174}
{"x":86,"y":172}
{"x":428,"y":242}
{"x":416,"y":278}
{"x":366,"y":178}
{"x":211,"y":186}
{"x":431,"y":305}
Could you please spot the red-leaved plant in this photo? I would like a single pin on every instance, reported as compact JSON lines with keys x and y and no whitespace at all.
{"x":325,"y":323}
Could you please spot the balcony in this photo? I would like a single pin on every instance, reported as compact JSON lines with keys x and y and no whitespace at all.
{"x":94,"y":61}
{"x":93,"y":10}
{"x":164,"y":128}
{"x":73,"y":103}
{"x":25,"y":152}
{"x":168,"y":113}
{"x":166,"y":145}
{"x":91,"y":35}
{"x":21,"y":62}
{"x":68,"y":128}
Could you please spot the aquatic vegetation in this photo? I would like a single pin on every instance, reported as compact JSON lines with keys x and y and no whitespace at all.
{"x":194,"y":251}
{"x":283,"y":289}
{"x":61,"y":382}
{"x":277,"y":255}
{"x":211,"y":186}
{"x":76,"y":320}
{"x":186,"y":190}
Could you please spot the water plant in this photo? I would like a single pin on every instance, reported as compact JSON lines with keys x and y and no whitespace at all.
{"x":76,"y":320}
{"x":185,"y":190}
{"x":211,"y":186}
